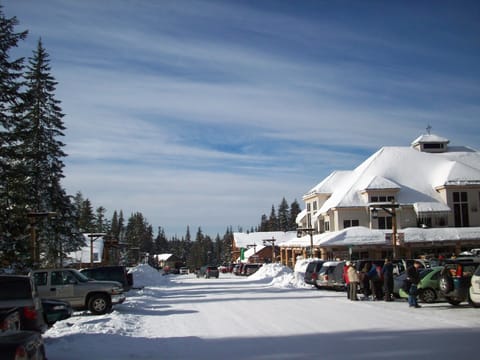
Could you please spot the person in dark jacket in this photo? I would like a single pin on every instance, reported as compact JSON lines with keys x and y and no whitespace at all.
{"x":411,"y":283}
{"x":387,"y":271}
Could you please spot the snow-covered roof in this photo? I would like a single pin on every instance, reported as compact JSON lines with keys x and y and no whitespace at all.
{"x":301,"y":215}
{"x":380,"y":183}
{"x":162,"y":257}
{"x":429,"y":138}
{"x":244,"y":239}
{"x":430,"y":207}
{"x":360,"y":235}
{"x":330,"y":183}
{"x":393,"y":168}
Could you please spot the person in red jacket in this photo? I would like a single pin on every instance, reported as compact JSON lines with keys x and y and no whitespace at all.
{"x":345,"y":278}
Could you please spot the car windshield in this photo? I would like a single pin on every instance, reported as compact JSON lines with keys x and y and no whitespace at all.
{"x":79,"y":276}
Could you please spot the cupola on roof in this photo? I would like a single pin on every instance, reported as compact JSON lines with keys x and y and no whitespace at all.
{"x":430,"y":142}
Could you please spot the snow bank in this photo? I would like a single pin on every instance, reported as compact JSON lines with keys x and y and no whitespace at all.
{"x":145,"y":275}
{"x":279,"y":276}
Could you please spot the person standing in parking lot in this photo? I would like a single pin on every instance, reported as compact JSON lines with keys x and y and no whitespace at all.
{"x":353,"y":280}
{"x":345,"y":278}
{"x":387,"y":271}
{"x":412,"y":280}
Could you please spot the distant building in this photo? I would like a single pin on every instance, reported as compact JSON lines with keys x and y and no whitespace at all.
{"x":257,"y":246}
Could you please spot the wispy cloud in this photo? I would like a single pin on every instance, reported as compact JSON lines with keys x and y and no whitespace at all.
{"x":207,"y":112}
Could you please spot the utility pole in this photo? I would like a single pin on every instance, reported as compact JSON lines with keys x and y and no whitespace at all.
{"x":271,"y":242}
{"x":34,"y":217}
{"x":310,"y":231}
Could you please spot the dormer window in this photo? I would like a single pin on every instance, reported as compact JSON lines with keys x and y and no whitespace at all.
{"x":430,"y":143}
{"x":382,"y":199}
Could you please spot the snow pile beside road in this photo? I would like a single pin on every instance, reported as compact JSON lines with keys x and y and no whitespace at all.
{"x":279,"y":276}
{"x":145,"y":275}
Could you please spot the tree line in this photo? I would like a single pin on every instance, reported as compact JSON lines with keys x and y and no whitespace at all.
{"x":39,"y":222}
{"x":137,"y":234}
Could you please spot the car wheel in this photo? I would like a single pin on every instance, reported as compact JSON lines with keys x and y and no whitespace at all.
{"x":453,"y":301}
{"x":445,"y":283}
{"x":99,"y":304}
{"x":428,"y":295}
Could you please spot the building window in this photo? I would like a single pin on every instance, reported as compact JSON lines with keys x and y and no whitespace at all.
{"x":460,"y":209}
{"x":350,"y":223}
{"x":384,"y":222}
{"x":327,"y":225}
{"x":374,"y":199}
{"x":433,"y":146}
{"x":308,"y":206}
{"x":314,"y":205}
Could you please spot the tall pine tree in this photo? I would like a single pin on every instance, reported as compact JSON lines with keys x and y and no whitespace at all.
{"x":13,"y":242}
{"x":38,"y":134}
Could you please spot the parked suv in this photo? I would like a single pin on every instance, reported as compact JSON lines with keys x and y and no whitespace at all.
{"x":475,"y":288}
{"x":20,"y":292}
{"x":81,"y":292}
{"x":455,"y":279}
{"x":330,"y":275}
{"x":208,"y":272}
{"x":110,"y":273}
{"x":311,"y":273}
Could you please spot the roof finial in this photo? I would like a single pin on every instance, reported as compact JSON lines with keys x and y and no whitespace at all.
{"x":429,"y":128}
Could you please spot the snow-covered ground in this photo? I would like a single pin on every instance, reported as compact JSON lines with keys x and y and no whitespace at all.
{"x":269,"y":315}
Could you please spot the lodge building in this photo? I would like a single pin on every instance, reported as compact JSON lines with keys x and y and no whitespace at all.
{"x":417,"y":200}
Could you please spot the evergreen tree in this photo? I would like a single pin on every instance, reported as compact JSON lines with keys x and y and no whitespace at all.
{"x":114,"y":227}
{"x":272,"y":220}
{"x":263,"y":223}
{"x":161,"y":243}
{"x":13,"y":242}
{"x":294,"y":211}
{"x":86,"y":220}
{"x":283,"y":216}
{"x":41,"y":150}
{"x":139,"y":238}
{"x":102,"y":225}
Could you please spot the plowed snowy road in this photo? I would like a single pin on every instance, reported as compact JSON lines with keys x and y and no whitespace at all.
{"x":183,"y":317}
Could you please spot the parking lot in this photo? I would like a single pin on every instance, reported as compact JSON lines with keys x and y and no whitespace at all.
{"x":181,"y":316}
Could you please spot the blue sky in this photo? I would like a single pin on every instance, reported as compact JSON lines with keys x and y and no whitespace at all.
{"x":205,"y":113}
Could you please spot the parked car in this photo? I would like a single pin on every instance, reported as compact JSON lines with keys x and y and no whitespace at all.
{"x":19,"y":291}
{"x":237,"y":269}
{"x":311,"y":273}
{"x":21,"y":345}
{"x":455,"y":279}
{"x":81,"y":292}
{"x":250,"y":269}
{"x":56,"y":310}
{"x":183,"y":270}
{"x":110,"y":273}
{"x":208,"y":271}
{"x":330,"y":275}
{"x":475,"y":288}
{"x":428,"y":288}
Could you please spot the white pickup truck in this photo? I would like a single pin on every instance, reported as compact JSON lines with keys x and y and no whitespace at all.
{"x":81,"y":292}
